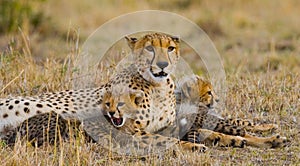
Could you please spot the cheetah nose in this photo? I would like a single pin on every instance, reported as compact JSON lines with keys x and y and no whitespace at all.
{"x":162,"y":65}
{"x":111,"y":113}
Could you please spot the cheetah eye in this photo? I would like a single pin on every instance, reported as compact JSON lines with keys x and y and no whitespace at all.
{"x":171,"y":48}
{"x":107,"y":104}
{"x":209,"y":93}
{"x":120,"y":104}
{"x":150,"y":48}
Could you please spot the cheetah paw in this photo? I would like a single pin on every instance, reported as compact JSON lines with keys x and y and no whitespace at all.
{"x":277,"y":141}
{"x":238,"y":142}
{"x":199,"y":148}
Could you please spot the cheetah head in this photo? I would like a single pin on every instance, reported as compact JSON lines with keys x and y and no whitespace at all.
{"x":118,"y":107}
{"x":156,"y":55}
{"x":197,"y":90}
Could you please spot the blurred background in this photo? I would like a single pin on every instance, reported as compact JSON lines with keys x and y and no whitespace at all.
{"x":253,"y":36}
{"x":238,"y":28}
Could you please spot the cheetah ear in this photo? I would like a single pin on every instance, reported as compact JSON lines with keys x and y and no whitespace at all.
{"x":131,"y":41}
{"x":200,"y":81}
{"x":176,"y":39}
{"x":186,"y":90}
{"x":137,"y":96}
{"x":188,"y":85}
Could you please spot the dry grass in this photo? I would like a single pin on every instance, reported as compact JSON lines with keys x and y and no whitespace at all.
{"x":258,"y":41}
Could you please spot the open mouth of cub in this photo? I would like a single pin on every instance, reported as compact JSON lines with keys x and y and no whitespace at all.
{"x":160,"y":74}
{"x":118,"y":122}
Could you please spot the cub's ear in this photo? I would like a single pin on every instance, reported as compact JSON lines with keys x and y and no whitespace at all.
{"x":176,"y":39}
{"x":131,"y":41}
{"x":189,"y":87}
{"x":186,"y":90}
{"x":137,"y":96}
{"x":200,"y":81}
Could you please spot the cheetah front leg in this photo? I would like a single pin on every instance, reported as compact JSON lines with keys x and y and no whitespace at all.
{"x":252,"y":127}
{"x":258,"y":128}
{"x":220,"y":139}
{"x":215,"y":138}
{"x":266,"y":142}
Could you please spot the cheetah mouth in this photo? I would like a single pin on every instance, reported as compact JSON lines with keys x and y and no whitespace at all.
{"x":160,"y":74}
{"x":117,"y":122}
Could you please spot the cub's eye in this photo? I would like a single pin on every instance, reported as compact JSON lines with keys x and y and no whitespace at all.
{"x":120,"y":104}
{"x":107,"y":104}
{"x":209,"y":93}
{"x":150,"y":48}
{"x":171,"y":48}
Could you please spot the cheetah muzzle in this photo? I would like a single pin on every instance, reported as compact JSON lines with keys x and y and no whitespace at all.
{"x":161,"y":74}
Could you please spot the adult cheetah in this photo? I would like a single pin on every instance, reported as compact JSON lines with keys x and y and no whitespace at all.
{"x":156,"y":56}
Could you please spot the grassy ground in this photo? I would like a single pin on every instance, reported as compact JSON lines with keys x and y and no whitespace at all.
{"x":258,"y":41}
